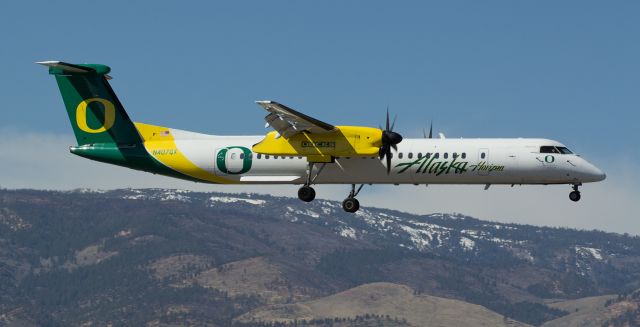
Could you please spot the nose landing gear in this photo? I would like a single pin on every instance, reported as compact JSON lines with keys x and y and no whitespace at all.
{"x":575,"y":194}
{"x":351,"y":204}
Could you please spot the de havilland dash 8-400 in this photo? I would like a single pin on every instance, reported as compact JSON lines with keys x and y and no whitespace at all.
{"x":303,"y":150}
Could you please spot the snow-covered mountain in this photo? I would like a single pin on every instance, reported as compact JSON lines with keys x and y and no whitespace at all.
{"x":195,"y":257}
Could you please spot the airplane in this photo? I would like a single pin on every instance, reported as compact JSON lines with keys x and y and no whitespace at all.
{"x":303,"y":150}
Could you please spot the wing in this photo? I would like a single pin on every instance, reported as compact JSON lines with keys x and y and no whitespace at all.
{"x":288,"y":122}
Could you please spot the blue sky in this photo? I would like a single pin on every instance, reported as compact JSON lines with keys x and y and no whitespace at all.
{"x":565,"y":70}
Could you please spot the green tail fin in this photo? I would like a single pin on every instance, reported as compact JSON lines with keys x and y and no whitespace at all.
{"x":96,"y":114}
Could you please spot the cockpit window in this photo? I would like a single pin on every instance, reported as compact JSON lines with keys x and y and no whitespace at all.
{"x":548,"y":149}
{"x":554,"y":149}
{"x":564,"y":150}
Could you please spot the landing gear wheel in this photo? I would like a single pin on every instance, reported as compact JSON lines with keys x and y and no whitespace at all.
{"x":351,"y":205}
{"x":306,"y":193}
{"x":574,"y":196}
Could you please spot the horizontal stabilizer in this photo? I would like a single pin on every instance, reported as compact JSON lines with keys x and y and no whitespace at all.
{"x":65,"y":68}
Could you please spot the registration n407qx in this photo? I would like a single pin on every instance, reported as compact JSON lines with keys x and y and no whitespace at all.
{"x":303,"y":150}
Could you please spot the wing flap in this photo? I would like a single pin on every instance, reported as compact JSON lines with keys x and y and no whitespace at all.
{"x":288,"y":122}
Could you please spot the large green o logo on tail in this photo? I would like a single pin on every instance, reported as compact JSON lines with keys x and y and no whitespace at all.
{"x":221,"y":160}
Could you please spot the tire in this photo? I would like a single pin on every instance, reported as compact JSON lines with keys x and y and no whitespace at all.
{"x":574,"y":196}
{"x":306,"y":193}
{"x":351,"y":205}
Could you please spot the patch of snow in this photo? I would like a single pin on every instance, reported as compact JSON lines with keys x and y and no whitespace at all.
{"x":135,"y":197}
{"x":431,"y":226}
{"x":123,"y":233}
{"x":348,"y":232}
{"x":174,"y":196}
{"x":498,"y":226}
{"x":328,"y":204}
{"x":308,"y":212}
{"x":419,"y":237}
{"x":88,"y":190}
{"x":12,"y":220}
{"x":470,"y":232}
{"x":229,"y":199}
{"x":523,"y":254}
{"x":593,"y":252}
{"x":500,"y":240}
{"x":367,"y":216}
{"x":467,"y":243}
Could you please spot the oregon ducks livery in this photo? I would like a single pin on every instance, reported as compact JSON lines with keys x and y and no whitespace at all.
{"x":302,"y":149}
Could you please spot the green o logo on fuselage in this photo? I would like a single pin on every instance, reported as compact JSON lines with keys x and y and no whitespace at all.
{"x":549,"y":158}
{"x":221,"y":160}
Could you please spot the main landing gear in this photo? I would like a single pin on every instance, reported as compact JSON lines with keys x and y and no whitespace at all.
{"x":351,"y":204}
{"x":575,"y":194}
{"x":306,"y":193}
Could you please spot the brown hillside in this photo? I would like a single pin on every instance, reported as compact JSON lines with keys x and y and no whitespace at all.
{"x":384,"y":299}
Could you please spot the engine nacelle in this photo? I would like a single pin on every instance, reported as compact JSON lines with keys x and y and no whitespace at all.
{"x":346,"y":141}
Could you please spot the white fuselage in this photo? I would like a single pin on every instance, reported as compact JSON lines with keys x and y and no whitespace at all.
{"x":416,"y":161}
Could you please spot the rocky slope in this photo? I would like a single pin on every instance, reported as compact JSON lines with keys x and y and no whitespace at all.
{"x":177,"y":257}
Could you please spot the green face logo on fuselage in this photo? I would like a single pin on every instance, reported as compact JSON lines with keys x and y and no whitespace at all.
{"x":549,"y":158}
{"x":221,"y":160}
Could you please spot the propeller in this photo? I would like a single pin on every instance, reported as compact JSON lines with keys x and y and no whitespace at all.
{"x":424,"y":132}
{"x":389,"y":140}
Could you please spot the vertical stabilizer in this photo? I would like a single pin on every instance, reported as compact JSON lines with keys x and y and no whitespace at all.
{"x":96,"y":114}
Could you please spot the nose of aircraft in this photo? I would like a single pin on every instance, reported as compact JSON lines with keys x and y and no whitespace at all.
{"x":592,"y":173}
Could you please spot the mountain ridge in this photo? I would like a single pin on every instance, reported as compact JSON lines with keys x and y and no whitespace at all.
{"x":196,"y":246}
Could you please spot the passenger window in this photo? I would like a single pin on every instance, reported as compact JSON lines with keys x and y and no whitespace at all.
{"x":266,"y":156}
{"x":233,"y":156}
{"x":242,"y":156}
{"x":436,"y":155}
{"x":483,"y":155}
{"x":428,"y":155}
{"x":400,"y":155}
{"x":464,"y":155}
{"x":446,"y":155}
{"x":410,"y":155}
{"x":419,"y":155}
{"x":455,"y":155}
{"x":259,"y":156}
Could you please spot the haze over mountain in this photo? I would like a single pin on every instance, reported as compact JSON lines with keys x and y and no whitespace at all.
{"x":162,"y":257}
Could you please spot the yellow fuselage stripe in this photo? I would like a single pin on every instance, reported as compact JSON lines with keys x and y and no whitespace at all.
{"x":161,"y":145}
